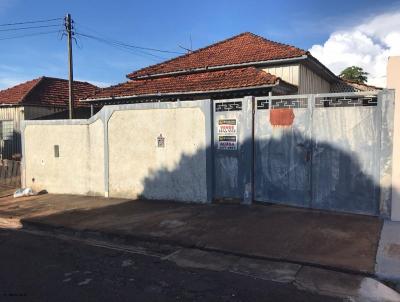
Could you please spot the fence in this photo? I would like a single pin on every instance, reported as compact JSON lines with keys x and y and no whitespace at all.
{"x":10,"y":173}
{"x":325,"y":151}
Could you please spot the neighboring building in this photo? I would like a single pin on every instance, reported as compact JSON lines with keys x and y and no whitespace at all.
{"x":350,"y":86}
{"x":245,"y":64}
{"x":42,"y":98}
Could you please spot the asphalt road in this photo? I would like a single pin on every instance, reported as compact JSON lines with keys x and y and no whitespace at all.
{"x":40,"y":268}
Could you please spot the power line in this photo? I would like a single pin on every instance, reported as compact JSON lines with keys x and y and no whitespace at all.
{"x":30,"y":22}
{"x":118,"y":45}
{"x":127,"y":44}
{"x":29,"y":27}
{"x":30,"y":35}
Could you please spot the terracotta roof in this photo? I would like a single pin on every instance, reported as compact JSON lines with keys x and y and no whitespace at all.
{"x":196,"y":82}
{"x":45,"y":91}
{"x":351,"y":86}
{"x":17,"y":93}
{"x":244,"y":48}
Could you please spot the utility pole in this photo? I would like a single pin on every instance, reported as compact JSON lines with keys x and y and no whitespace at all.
{"x":69,"y":28}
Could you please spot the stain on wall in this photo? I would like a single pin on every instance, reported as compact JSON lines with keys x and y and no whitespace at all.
{"x":281,"y":117}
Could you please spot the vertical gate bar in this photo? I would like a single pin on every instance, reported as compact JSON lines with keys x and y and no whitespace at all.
{"x":209,"y":112}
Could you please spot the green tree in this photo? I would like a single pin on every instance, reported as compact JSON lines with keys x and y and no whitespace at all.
{"x":355,"y":74}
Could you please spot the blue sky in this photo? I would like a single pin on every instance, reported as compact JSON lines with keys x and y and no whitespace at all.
{"x":165,"y":25}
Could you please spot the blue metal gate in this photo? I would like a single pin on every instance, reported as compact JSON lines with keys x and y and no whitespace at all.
{"x":233,"y":149}
{"x":283,"y":150}
{"x":323,"y":151}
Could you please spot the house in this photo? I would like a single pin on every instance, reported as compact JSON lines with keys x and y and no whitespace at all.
{"x":242,"y":65}
{"x":41,"y":98}
{"x":351,"y":86}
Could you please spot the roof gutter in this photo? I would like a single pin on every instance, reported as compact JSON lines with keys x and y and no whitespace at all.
{"x":11,"y":105}
{"x":177,"y":93}
{"x":222,"y":67}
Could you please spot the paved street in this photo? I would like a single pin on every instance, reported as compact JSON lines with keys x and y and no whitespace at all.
{"x":39,"y":268}
{"x":276,"y":232}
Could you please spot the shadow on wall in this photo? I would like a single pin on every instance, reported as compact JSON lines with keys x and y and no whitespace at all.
{"x":289,"y":169}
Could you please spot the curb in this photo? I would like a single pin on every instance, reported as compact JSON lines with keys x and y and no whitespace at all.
{"x":325,"y":280}
{"x":129,"y":238}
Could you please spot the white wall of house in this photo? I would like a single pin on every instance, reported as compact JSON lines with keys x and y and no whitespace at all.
{"x":310,"y":82}
{"x":301,"y":76}
{"x":289,"y":73}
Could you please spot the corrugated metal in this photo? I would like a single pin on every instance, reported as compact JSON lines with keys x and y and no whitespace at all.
{"x":310,"y":82}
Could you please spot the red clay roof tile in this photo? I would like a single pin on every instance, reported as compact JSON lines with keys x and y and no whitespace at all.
{"x":194,"y":82}
{"x":244,"y":48}
{"x":45,"y":91}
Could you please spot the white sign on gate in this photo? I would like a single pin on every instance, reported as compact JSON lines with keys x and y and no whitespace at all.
{"x":227,"y":134}
{"x":227,"y":142}
{"x":227,"y":126}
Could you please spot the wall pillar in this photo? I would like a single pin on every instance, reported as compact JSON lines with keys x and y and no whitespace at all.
{"x":393,"y":82}
{"x":107,"y":112}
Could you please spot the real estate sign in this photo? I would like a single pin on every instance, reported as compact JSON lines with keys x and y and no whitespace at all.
{"x":227,"y":134}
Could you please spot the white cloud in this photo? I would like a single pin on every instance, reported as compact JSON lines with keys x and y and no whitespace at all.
{"x":367,"y":45}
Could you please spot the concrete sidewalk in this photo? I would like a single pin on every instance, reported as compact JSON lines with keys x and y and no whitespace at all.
{"x":340,"y":241}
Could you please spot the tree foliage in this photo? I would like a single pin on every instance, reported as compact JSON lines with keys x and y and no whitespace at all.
{"x":355,"y":74}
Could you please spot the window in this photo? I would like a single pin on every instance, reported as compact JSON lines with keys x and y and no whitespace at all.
{"x":6,"y":128}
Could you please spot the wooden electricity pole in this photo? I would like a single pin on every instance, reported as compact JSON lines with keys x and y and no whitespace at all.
{"x":69,"y":29}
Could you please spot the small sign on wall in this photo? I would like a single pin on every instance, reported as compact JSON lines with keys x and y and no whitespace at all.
{"x":160,"y":141}
{"x":227,"y":126}
{"x":227,"y":134}
{"x":227,"y":142}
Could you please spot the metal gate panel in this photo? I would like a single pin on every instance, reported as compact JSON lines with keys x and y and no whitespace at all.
{"x":283,"y":150}
{"x":324,"y":151}
{"x":346,"y":154}
{"x":233,"y":149}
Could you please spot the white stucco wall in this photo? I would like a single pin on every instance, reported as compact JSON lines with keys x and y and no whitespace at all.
{"x":138,"y":167}
{"x":79,"y":167}
{"x":393,"y":82}
{"x":115,"y":153}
